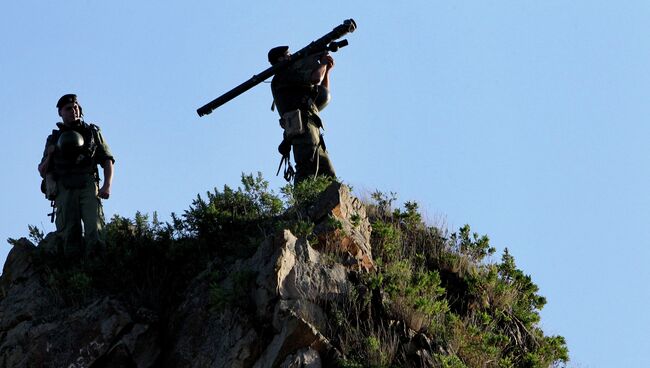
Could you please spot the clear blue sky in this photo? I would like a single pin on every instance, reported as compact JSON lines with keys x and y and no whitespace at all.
{"x":525,"y":119}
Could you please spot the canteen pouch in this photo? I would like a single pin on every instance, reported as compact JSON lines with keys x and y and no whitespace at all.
{"x":292,"y":123}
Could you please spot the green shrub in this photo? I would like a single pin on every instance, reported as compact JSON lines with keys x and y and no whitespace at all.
{"x":305,"y":192}
{"x":482,"y":313}
{"x":225,"y":210}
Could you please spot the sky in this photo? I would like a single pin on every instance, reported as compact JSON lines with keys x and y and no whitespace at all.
{"x":524,"y":119}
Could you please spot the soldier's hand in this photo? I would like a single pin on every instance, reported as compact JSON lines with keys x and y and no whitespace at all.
{"x":104,"y":192}
{"x":328,"y":60}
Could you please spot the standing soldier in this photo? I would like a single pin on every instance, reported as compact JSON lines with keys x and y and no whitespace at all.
{"x":299,"y":93}
{"x":69,"y":165}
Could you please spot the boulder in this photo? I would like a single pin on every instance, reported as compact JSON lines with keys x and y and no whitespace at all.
{"x":24,"y":294}
{"x":77,"y":339}
{"x":289,"y":286}
{"x":342,"y":225}
{"x":303,"y":358}
{"x":19,"y":265}
{"x":37,"y":330}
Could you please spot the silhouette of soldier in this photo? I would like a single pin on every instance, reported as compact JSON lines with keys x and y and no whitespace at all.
{"x":299,"y":93}
{"x":69,"y":167}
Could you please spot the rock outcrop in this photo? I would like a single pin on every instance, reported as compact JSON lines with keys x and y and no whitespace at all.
{"x":37,"y":330}
{"x":348,"y":229}
{"x":264,"y":311}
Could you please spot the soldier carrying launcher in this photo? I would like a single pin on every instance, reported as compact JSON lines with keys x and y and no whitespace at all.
{"x":300,"y":90}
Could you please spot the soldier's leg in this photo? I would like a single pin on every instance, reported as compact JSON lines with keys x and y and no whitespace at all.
{"x":92,"y":215}
{"x":304,"y":156}
{"x":311,"y":159}
{"x":310,"y":154}
{"x":325,"y":166}
{"x":68,"y":221}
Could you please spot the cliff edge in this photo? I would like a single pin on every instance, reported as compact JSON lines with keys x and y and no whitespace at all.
{"x":242,"y":279}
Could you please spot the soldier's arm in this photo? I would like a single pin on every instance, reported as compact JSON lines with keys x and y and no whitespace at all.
{"x":105,"y":190}
{"x":103,"y":152}
{"x":321,"y":74}
{"x":47,"y":157}
{"x":105,"y":159}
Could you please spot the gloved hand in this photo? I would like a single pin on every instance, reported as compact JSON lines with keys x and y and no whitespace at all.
{"x":285,"y":147}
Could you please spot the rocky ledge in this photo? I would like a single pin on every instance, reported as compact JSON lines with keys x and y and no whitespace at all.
{"x":280,"y":321}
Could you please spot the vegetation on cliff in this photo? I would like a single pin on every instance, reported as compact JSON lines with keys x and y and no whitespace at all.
{"x":468,"y":312}
{"x":432,"y":298}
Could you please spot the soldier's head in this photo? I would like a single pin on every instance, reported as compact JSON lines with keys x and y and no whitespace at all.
{"x":69,"y":108}
{"x":278,"y":54}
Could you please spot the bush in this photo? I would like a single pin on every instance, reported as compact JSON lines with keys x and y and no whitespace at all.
{"x":150,"y":263}
{"x":481,"y":313}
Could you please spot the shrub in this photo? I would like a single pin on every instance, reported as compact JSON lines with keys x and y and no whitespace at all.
{"x":479,"y":312}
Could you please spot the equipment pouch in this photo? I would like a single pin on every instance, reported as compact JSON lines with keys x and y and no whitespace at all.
{"x":50,"y":187}
{"x":292,"y":123}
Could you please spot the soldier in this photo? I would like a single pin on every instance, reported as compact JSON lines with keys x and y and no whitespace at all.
{"x":299,"y":93}
{"x":69,"y":165}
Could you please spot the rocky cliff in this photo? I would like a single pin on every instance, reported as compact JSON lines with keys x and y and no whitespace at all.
{"x":293,"y":288}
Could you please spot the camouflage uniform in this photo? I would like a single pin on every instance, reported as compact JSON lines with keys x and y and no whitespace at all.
{"x":77,"y":198}
{"x":292,"y":89}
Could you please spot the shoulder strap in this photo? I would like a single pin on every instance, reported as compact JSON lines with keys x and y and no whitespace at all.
{"x":92,"y":143}
{"x":55,"y":135}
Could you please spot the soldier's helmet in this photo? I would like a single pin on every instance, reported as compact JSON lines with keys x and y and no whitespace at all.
{"x":70,"y":143}
{"x":275,"y":53}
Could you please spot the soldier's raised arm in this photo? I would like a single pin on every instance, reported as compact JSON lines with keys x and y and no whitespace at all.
{"x":321,"y":75}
